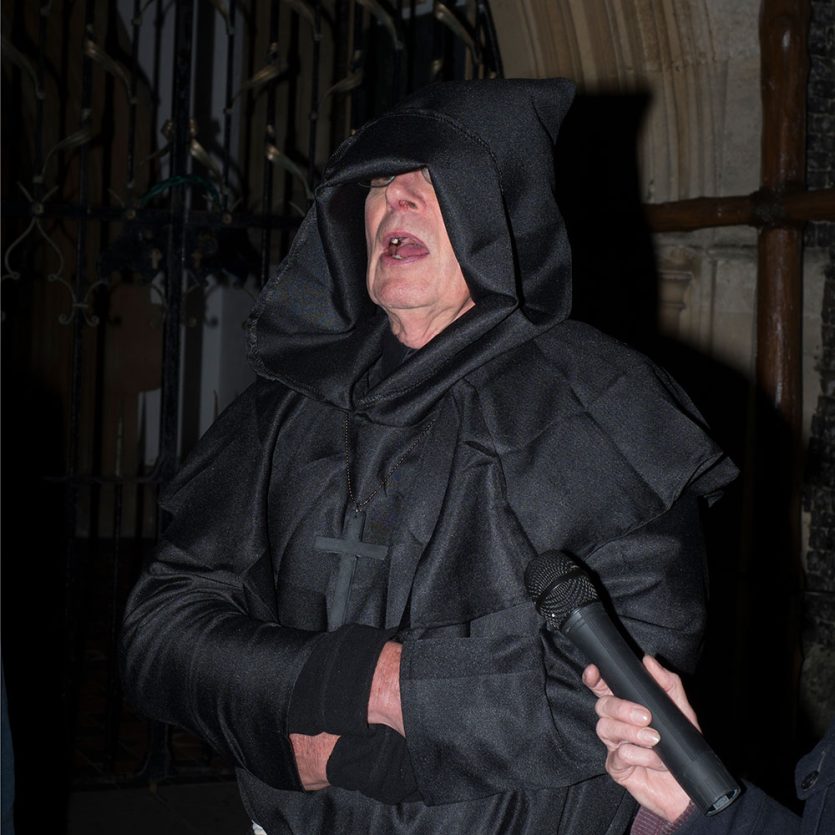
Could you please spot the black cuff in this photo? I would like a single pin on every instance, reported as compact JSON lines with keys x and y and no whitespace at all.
{"x":331,"y":692}
{"x":376,"y":764}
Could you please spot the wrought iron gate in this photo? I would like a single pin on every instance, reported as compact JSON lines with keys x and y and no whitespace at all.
{"x":157,"y":158}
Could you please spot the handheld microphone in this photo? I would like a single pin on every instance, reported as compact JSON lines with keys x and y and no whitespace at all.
{"x":566,"y":597}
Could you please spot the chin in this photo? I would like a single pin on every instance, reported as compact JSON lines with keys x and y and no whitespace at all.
{"x":400,"y":296}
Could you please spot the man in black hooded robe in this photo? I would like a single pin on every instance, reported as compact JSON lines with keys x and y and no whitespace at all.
{"x":377,"y":494}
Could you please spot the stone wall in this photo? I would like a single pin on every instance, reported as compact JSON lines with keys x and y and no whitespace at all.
{"x":818,"y":677}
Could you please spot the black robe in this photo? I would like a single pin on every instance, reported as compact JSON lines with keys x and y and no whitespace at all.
{"x":522,"y":431}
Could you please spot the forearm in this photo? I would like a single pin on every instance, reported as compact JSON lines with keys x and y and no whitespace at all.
{"x":312,"y":754}
{"x":193,"y":657}
{"x":384,"y":704}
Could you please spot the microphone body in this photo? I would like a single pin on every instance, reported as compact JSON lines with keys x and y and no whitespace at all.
{"x":565,"y":595}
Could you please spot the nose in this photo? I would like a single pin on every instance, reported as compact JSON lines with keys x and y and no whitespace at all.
{"x":404,"y":191}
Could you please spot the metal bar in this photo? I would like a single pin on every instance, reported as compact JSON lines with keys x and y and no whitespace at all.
{"x":152,"y":216}
{"x":411,"y":46}
{"x":176,"y":260}
{"x":492,"y":42}
{"x":39,"y":105}
{"x":313,"y":118}
{"x":785,"y":69}
{"x":113,"y":704}
{"x":159,"y":24}
{"x":158,"y":761}
{"x":134,"y":74}
{"x":763,"y":208}
{"x":73,"y":563}
{"x":440,"y":36}
{"x":99,"y":350}
{"x":357,"y":98}
{"x":101,"y":299}
{"x":341,"y":66}
{"x":269,"y":128}
{"x":397,"y":69}
{"x":290,"y":132}
{"x":227,"y":110}
{"x":247,"y":123}
{"x":113,"y":712}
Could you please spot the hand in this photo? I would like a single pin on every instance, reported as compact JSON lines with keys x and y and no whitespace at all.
{"x":384,"y":707}
{"x":312,"y":754}
{"x":624,"y":728}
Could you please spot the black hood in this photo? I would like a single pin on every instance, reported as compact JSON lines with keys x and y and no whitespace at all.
{"x":489,"y":148}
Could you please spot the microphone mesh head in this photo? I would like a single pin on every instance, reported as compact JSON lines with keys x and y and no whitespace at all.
{"x":558,"y":585}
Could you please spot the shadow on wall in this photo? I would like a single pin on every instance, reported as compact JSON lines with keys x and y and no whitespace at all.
{"x":34,"y":601}
{"x":598,"y":190}
{"x":616,"y":288}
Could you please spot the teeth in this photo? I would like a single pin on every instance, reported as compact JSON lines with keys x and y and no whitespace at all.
{"x":394,"y":243}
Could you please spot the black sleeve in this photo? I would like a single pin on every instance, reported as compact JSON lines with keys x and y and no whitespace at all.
{"x":510,"y":694}
{"x":375,"y":763}
{"x":201,"y":646}
{"x":331,"y":692}
{"x":753,"y":811}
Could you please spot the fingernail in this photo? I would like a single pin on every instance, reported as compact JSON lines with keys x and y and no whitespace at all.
{"x":649,"y":735}
{"x":640,"y":716}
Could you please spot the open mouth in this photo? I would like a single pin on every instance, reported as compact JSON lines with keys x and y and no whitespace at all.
{"x":402,"y":247}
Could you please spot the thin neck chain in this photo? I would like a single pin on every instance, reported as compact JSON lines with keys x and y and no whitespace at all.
{"x":359,"y":504}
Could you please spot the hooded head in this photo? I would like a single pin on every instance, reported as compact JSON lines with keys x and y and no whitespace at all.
{"x":488,"y":148}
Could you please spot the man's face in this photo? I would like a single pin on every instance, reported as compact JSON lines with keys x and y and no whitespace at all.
{"x":412,"y":269}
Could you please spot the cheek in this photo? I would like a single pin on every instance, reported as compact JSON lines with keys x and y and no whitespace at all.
{"x":454,"y":279}
{"x":369,"y":228}
{"x":375,"y":209}
{"x":458,"y":291}
{"x":462,"y":291}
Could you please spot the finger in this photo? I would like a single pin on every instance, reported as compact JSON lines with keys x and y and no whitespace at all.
{"x":622,"y":710}
{"x":593,"y":680}
{"x":672,"y":685}
{"x":613,"y":734}
{"x":666,"y":678}
{"x":627,"y":757}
